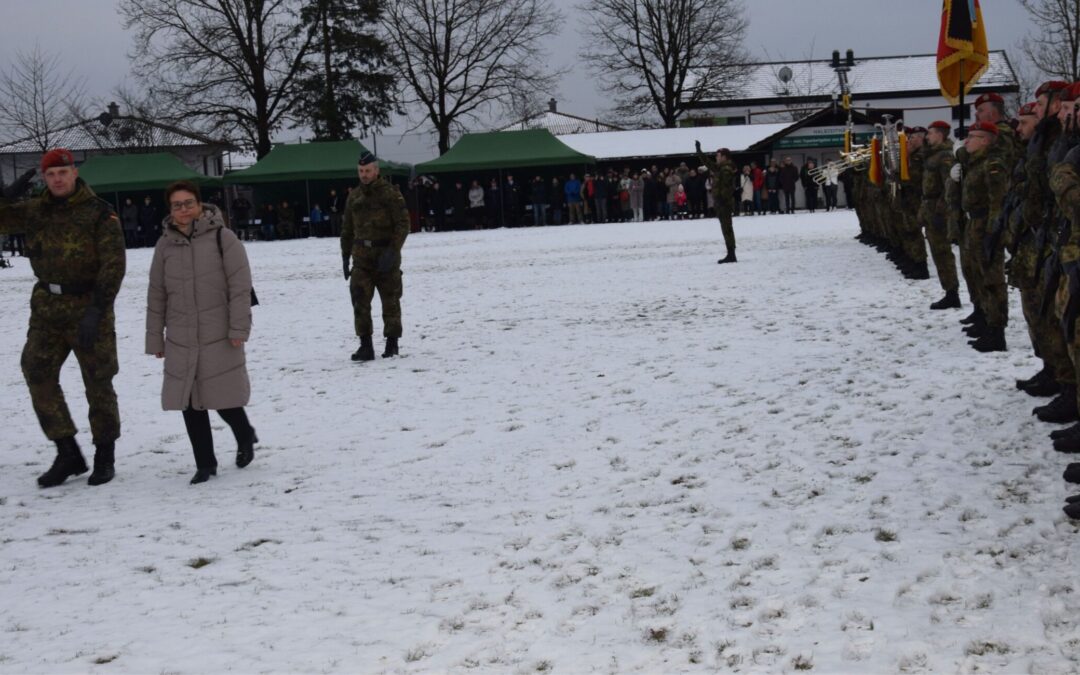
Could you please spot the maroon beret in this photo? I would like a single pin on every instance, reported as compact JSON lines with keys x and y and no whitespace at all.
{"x":1051,"y":87}
{"x":988,"y":98}
{"x":941,"y":125}
{"x":988,"y":127}
{"x":56,"y":157}
{"x":1026,"y":109}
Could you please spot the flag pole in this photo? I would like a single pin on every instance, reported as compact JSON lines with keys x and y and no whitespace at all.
{"x":962,"y":131}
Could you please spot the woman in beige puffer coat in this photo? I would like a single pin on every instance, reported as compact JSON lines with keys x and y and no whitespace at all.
{"x":198,"y":317}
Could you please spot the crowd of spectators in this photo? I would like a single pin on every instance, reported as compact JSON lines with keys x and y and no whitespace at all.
{"x":617,"y":195}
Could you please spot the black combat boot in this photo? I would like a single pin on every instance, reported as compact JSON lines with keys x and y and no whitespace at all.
{"x":992,"y":340}
{"x":976,"y":315}
{"x":1044,"y":388}
{"x":1072,"y":475}
{"x":69,"y":462}
{"x":1072,"y":510}
{"x":245,"y":451}
{"x":1037,"y":378}
{"x":1062,"y":410}
{"x":1073,"y":430}
{"x":203,"y":475}
{"x":391,"y":348}
{"x":366,"y":351}
{"x":1069,"y":444}
{"x":729,"y":258}
{"x":950,"y":301}
{"x":104,"y":470}
{"x":919,"y":271}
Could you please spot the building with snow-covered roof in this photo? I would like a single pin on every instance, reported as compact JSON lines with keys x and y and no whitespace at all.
{"x":560,"y":123}
{"x":111,"y":133}
{"x":903,"y":86}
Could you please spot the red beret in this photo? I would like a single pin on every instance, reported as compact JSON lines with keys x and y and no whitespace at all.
{"x":988,"y":98}
{"x":1051,"y":87}
{"x":56,"y":157}
{"x":1026,"y":109}
{"x":1069,"y":93}
{"x":910,"y":131}
{"x":941,"y":126}
{"x":988,"y":127}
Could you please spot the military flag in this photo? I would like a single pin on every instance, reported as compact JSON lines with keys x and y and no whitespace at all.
{"x":962,"y":55}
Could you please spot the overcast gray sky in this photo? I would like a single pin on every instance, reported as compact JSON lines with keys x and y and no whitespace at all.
{"x":88,"y":35}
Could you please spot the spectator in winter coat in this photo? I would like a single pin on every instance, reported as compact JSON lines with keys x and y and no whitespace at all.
{"x":269,"y":223}
{"x":789,"y":178}
{"x":315,"y":220}
{"x":539,"y":201}
{"x":832,"y":179}
{"x":199,"y":301}
{"x":459,"y":206}
{"x":493,"y":201}
{"x":773,"y":187}
{"x":476,"y":205}
{"x":672,"y":183}
{"x":129,"y":220}
{"x":512,"y":201}
{"x":572,"y":189}
{"x":600,"y":198}
{"x":149,"y":220}
{"x":810,"y":188}
{"x":680,"y":202}
{"x":637,"y":198}
{"x":286,"y":221}
{"x":746,"y":191}
{"x":556,"y":201}
{"x":588,"y":198}
{"x":761,"y":197}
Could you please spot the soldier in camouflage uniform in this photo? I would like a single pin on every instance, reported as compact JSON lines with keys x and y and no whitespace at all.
{"x":1027,"y":240}
{"x":374,"y":230}
{"x":76,"y":249}
{"x":985,"y":183}
{"x":910,"y":200}
{"x":933,"y":211}
{"x":723,"y":182}
{"x":1063,"y":409}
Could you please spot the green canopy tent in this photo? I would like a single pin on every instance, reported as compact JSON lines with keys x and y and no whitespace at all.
{"x":320,"y":160}
{"x":498,"y":150}
{"x":130,"y":173}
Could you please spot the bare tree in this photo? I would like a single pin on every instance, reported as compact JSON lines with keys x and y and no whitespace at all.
{"x":1054,"y":46}
{"x":37,"y":97}
{"x":658,"y":57}
{"x":228,"y":65}
{"x":461,"y":58}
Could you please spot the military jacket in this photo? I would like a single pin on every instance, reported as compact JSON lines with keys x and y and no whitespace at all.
{"x":723,"y":180}
{"x":374,"y":212}
{"x":913,"y":187}
{"x":1065,"y":182}
{"x":937,"y":163}
{"x":986,"y":182}
{"x":77,"y":240}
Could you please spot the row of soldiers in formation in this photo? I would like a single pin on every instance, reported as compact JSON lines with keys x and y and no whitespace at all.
{"x":1013,"y":187}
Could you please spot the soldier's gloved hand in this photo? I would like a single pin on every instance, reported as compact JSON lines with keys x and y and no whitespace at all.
{"x":19,"y":187}
{"x":388,"y":260}
{"x":345,"y":264}
{"x":956,"y":172}
{"x":89,"y":325}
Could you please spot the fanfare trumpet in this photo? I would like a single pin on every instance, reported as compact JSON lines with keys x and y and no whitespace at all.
{"x":855,"y":159}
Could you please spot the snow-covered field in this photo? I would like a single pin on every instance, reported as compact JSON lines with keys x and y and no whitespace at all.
{"x":600,"y":451}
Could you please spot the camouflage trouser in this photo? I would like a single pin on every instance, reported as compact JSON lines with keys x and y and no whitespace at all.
{"x":969,"y":261}
{"x":1047,"y":338}
{"x":362,"y":286}
{"x":726,"y":226}
{"x":1061,"y":300}
{"x":937,"y":236}
{"x":45,"y":352}
{"x":992,"y":289}
{"x":914,"y":246}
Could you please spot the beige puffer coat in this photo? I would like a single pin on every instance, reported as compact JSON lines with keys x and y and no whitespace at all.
{"x":198,"y":300}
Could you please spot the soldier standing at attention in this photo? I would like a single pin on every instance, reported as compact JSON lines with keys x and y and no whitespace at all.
{"x":374,"y":229}
{"x":76,"y":249}
{"x":933,"y":214}
{"x":986,"y":180}
{"x":723,"y":182}
{"x":910,"y":200}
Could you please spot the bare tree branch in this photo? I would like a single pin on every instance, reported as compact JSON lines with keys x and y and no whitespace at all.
{"x":659,"y":57}
{"x":228,"y":65}
{"x":1054,"y":46}
{"x":36,"y":97}
{"x":460,"y":58}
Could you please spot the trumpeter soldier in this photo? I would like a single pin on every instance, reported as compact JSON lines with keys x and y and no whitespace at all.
{"x":374,"y":229}
{"x":910,"y":196}
{"x":76,"y":248}
{"x":1028,"y":231}
{"x":1063,"y":408}
{"x":933,"y":213}
{"x":723,"y":178}
{"x":985,"y":184}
